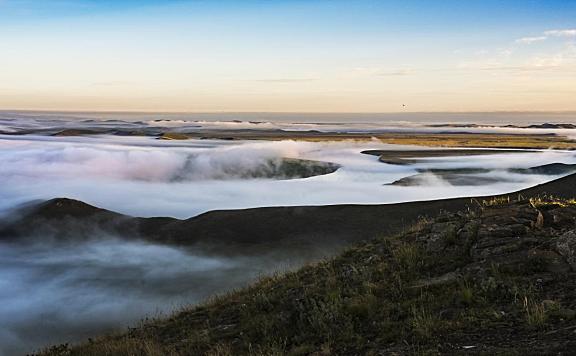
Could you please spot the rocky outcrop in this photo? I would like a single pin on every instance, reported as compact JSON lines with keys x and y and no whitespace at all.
{"x":522,"y":236}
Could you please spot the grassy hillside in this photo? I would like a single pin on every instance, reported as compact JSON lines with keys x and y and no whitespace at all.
{"x":499,"y":280}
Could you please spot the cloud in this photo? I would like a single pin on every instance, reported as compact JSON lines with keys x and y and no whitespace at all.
{"x":561,"y":33}
{"x":529,"y":40}
{"x":371,"y":72}
{"x":286,"y":80}
{"x":569,"y":33}
{"x":562,"y":60}
{"x":394,"y":73}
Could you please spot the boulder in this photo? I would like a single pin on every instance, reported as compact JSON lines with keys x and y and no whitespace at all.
{"x":565,"y":245}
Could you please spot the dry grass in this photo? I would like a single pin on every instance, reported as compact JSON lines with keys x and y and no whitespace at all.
{"x":408,"y":256}
{"x":422,"y":223}
{"x":536,"y":315}
{"x":547,"y":200}
{"x":423,"y":323}
{"x":496,"y":201}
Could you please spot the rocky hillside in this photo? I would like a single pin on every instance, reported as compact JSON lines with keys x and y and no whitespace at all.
{"x":497,"y":280}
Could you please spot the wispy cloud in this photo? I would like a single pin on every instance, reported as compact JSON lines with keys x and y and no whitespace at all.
{"x":286,"y":80}
{"x":394,"y":73}
{"x":529,"y":40}
{"x":561,"y":33}
{"x":562,"y":61}
{"x":566,"y":33}
{"x":380,"y":72}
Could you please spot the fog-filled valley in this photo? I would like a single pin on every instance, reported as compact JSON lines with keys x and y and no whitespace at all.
{"x":60,"y":292}
{"x":64,"y":290}
{"x":147,"y":177}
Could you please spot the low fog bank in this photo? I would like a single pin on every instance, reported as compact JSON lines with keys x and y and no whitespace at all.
{"x":54,"y":293}
{"x":144,"y":177}
{"x":153,"y":123}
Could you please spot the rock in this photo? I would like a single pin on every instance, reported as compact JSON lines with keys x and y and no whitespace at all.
{"x":440,"y":235}
{"x":514,"y":230}
{"x":549,"y":304}
{"x":564,"y":217}
{"x":565,"y":245}
{"x":521,"y":210}
{"x":468,"y":233}
{"x":504,"y":230}
{"x":549,"y":261}
{"x":567,"y":314}
{"x":435,"y":243}
{"x":539,"y":221}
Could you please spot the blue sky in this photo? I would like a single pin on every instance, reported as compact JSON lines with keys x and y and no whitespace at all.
{"x":287,"y":55}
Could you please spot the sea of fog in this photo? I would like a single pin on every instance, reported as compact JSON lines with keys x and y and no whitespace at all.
{"x":487,"y":118}
{"x":148,"y":177}
{"x":13,"y":122}
{"x":51,"y":293}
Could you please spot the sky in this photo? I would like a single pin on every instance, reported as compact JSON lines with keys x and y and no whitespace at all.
{"x":288,"y":55}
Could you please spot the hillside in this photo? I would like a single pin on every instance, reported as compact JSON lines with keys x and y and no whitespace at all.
{"x":230,"y":231}
{"x":499,"y":280}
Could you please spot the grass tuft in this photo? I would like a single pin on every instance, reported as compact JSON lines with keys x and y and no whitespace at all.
{"x":536,"y":315}
{"x":423,"y":323}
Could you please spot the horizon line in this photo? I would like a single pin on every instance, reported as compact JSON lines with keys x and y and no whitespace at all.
{"x":283,"y":112}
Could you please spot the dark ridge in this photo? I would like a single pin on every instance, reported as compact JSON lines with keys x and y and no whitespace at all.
{"x":69,"y":219}
{"x":552,"y":126}
{"x":292,"y":168}
{"x":453,"y":179}
{"x":413,"y":156}
{"x":64,"y":207}
{"x":468,"y":176}
{"x":325,"y":224}
{"x":278,"y":168}
{"x":534,"y":126}
{"x":438,"y":152}
{"x":80,"y":132}
{"x":298,"y":227}
{"x":548,"y":169}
